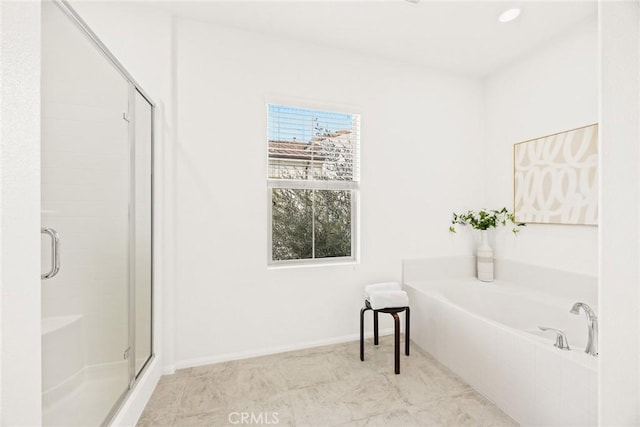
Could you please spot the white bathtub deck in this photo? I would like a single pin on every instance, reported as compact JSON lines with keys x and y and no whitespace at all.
{"x":483,"y":332}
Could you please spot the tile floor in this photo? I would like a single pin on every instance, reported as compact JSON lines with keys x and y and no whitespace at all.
{"x":324,"y":386}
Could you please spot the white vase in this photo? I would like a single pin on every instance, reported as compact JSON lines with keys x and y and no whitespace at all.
{"x":484,"y":258}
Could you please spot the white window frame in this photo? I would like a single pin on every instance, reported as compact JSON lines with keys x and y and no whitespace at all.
{"x":352,"y":186}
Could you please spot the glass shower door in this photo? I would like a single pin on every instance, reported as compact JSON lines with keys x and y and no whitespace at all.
{"x":86,"y":185}
{"x":142,"y":298}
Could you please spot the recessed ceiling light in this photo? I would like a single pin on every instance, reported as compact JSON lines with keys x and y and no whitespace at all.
{"x":509,"y":15}
{"x":414,"y":1}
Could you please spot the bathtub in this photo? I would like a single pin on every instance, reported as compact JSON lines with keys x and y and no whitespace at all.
{"x":487,"y":333}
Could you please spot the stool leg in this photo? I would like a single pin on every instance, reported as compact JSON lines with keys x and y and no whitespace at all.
{"x":362,"y":332}
{"x":406,"y":333}
{"x":375,"y":327}
{"x":396,"y":347}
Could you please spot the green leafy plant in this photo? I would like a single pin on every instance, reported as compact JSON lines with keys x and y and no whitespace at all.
{"x":485,"y":219}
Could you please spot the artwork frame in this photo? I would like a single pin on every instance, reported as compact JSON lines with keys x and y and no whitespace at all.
{"x":555,"y":178}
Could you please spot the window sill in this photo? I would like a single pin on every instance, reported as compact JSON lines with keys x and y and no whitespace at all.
{"x":302,"y":264}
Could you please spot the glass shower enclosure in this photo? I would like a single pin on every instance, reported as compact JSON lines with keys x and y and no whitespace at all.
{"x":96,"y":219}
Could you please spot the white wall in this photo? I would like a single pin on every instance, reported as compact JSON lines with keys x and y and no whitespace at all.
{"x":619,"y":380}
{"x":553,"y":89}
{"x":420,"y":136}
{"x":20,"y":213}
{"x":224,"y":76}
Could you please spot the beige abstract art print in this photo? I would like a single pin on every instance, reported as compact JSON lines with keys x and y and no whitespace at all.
{"x":556,"y":178}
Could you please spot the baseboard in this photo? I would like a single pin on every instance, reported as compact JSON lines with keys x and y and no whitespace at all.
{"x":190,"y":363}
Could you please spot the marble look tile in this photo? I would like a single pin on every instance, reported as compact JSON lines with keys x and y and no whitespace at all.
{"x":305,"y":370}
{"x":214,"y":418}
{"x":268,"y":361}
{"x":397,"y":418}
{"x":155,"y":419}
{"x":350,"y":350}
{"x":324,"y":386}
{"x":420,"y":351}
{"x":226,"y":371}
{"x":483,"y":411}
{"x":368,"y":396}
{"x":347,"y":366}
{"x":231,"y":418}
{"x":255,"y":382}
{"x":206,"y":394}
{"x":319,"y":406}
{"x":425,"y":382}
{"x":380,"y":358}
{"x":351,"y":347}
{"x":165,"y":399}
{"x":272,"y":406}
{"x":180,"y":374}
{"x":469,"y":409}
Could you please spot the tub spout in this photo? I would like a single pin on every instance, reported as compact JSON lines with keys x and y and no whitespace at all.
{"x":561,"y":339}
{"x":592,"y":323}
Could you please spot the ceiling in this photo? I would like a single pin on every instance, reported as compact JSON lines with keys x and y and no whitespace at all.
{"x":463,"y":37}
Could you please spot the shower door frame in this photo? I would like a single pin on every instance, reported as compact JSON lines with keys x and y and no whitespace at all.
{"x":134,"y":87}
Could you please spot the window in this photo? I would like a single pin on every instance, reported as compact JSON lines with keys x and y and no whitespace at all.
{"x":312,"y":181}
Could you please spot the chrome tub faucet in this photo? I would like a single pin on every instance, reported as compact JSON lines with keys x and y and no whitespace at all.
{"x":592,"y":323}
{"x":561,"y":339}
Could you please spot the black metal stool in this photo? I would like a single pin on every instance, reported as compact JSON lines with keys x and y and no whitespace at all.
{"x":394,"y":312}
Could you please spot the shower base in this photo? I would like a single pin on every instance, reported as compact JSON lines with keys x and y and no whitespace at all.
{"x":87,"y":398}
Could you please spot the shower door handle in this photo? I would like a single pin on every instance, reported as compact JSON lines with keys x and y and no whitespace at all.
{"x":55,"y":252}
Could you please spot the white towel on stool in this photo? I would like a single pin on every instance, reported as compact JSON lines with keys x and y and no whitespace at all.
{"x":388,"y":299}
{"x":386,"y":286}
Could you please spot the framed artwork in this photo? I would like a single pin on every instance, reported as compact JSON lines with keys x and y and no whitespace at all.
{"x":555,"y":178}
